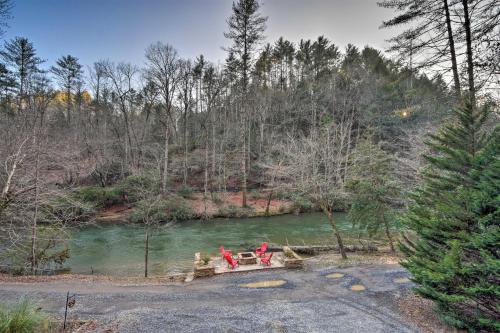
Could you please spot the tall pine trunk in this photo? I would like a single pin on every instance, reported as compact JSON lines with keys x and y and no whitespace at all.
{"x":451,"y":43}
{"x":243,"y":160}
{"x":470,"y":62}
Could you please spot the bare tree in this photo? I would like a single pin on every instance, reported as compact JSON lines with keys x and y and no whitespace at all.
{"x":121,"y":77}
{"x":315,"y":168}
{"x":187,"y":83}
{"x":162,"y":70}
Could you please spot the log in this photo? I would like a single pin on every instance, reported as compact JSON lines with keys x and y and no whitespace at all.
{"x":316,"y":249}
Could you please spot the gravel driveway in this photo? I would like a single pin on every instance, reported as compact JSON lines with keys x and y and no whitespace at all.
{"x":304,"y":301}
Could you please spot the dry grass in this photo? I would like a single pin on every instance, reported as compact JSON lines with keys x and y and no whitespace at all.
{"x":420,"y":312}
{"x":383,"y":256}
{"x":160,"y":280}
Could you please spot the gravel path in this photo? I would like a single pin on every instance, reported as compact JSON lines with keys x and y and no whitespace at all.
{"x":307,"y":301}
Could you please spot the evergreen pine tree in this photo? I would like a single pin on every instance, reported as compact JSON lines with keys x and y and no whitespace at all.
{"x":456,"y":216}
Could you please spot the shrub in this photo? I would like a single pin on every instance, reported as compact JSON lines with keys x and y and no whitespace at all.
{"x":300,"y":203}
{"x":232,"y":211}
{"x":281,"y":195}
{"x":177,"y":208}
{"x":186,"y":192}
{"x":107,"y":173}
{"x":173,"y":208}
{"x":254,"y":194}
{"x":217,"y":199}
{"x":289,"y":254}
{"x":99,"y":196}
{"x":22,"y":318}
{"x":68,"y":208}
{"x":205,"y":259}
{"x":135,"y":186}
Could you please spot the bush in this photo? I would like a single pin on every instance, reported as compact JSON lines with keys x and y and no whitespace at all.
{"x":51,"y":252}
{"x":22,"y":318}
{"x":68,"y":208}
{"x":173,"y":208}
{"x":232,"y":211}
{"x":99,"y":196}
{"x":205,"y":259}
{"x":107,"y":173}
{"x":217,"y":199}
{"x":283,"y":195}
{"x":301,"y":204}
{"x":289,"y":254}
{"x":254,"y":194}
{"x":177,"y":208}
{"x":186,"y":192}
{"x":134,"y":186}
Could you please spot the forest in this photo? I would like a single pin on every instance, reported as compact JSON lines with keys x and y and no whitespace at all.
{"x":405,"y":141}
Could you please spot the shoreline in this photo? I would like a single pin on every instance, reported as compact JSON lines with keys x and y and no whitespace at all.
{"x":331,"y":258}
{"x":229,"y":207}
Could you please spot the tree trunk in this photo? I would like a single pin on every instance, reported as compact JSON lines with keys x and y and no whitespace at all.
{"x":184,"y":181}
{"x":336,"y":231}
{"x":146,"y":253}
{"x":35,"y":214}
{"x":261,"y":141}
{"x":214,"y":155}
{"x":388,"y":234}
{"x":205,"y":184}
{"x":470,"y":62}
{"x":243,"y":160}
{"x":10,"y":173}
{"x":456,"y":79}
{"x":165,"y":162}
{"x":269,"y":202}
{"x":68,"y":104}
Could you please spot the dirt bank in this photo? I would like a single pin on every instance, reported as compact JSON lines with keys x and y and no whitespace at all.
{"x":228,"y":204}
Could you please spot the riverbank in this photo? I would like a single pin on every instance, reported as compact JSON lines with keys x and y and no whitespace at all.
{"x":381,"y":257}
{"x":217,"y":205}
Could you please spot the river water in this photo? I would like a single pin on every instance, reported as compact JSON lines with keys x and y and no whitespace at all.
{"x":118,"y":249}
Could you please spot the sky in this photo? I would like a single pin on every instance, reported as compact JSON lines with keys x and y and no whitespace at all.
{"x":120,"y":30}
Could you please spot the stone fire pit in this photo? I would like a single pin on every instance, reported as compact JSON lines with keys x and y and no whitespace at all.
{"x":247,"y":258}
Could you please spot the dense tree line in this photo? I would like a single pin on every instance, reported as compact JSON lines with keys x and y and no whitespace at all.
{"x":343,"y":128}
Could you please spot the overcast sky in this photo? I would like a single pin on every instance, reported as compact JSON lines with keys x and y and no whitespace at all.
{"x":120,"y":30}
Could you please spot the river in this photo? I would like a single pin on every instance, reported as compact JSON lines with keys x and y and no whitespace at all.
{"x":118,"y":249}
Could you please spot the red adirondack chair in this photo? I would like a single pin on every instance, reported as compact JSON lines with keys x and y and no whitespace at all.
{"x":266,"y":260}
{"x":262,"y":250}
{"x":230,"y":260}
{"x":224,"y":251}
